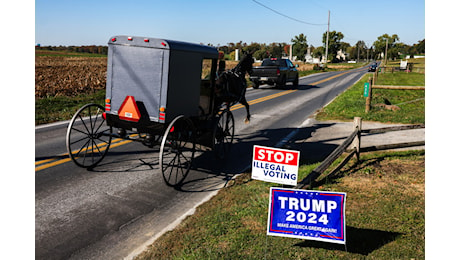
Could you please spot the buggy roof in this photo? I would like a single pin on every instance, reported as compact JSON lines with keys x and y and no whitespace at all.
{"x":147,"y":42}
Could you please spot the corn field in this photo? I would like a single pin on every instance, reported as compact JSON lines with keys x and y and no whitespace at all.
{"x":69,"y":76}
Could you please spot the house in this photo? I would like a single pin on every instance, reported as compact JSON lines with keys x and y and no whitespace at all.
{"x":341,"y":55}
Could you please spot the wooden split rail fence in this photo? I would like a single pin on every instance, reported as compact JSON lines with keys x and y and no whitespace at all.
{"x":354,"y":140}
{"x":371,"y":86}
{"x":373,"y":79}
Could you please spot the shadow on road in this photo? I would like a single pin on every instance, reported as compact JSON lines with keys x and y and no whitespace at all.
{"x":239,"y":158}
{"x":208,"y":173}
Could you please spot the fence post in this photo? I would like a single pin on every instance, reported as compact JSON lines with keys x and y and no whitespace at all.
{"x":357,"y":124}
{"x":375,"y":75}
{"x":369,"y":97}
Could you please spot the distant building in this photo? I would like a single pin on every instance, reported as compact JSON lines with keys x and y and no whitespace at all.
{"x":416,"y":57}
{"x":308,"y":57}
{"x":341,"y":55}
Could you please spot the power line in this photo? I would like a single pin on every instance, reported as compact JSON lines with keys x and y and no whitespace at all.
{"x":294,"y":19}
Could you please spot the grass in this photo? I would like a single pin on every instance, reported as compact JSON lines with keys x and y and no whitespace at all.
{"x":384,"y":217}
{"x":401,"y":78}
{"x":53,"y":109}
{"x":352,"y":103}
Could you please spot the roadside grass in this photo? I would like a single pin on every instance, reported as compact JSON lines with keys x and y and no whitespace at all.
{"x":60,"y":108}
{"x":384,"y":217}
{"x":352,"y":103}
{"x":401,"y":78}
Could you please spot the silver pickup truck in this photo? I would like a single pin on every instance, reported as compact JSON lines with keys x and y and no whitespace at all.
{"x":275,"y":71}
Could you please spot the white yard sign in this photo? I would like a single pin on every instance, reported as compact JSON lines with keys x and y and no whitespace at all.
{"x":275,"y":165}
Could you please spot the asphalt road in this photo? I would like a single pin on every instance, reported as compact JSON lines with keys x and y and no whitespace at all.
{"x":114,"y":210}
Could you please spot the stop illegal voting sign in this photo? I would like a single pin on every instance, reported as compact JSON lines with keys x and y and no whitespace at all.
{"x":275,"y":165}
{"x":307,"y":214}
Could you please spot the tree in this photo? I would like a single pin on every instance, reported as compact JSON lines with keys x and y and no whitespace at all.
{"x":318,"y":52}
{"x":261,"y":54}
{"x":361,"y":50}
{"x":380,"y":45}
{"x":420,"y":47}
{"x":334,"y":43}
{"x":276,"y":49}
{"x":252,"y":48}
{"x":299,"y":46}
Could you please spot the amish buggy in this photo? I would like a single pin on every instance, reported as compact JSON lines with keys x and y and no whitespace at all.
{"x":161,"y":92}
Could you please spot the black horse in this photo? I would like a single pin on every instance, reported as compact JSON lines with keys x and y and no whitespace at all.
{"x":231,"y":85}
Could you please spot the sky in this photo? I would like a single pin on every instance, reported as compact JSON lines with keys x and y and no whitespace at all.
{"x":218,"y":22}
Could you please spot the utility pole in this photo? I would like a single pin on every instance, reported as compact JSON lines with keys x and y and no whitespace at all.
{"x":358,"y":52}
{"x":327,"y":34}
{"x":386,"y":50}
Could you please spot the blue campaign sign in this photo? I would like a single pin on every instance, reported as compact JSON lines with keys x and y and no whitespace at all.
{"x":307,"y":214}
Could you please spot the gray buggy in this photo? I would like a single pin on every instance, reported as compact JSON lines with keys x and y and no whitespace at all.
{"x":158,"y":92}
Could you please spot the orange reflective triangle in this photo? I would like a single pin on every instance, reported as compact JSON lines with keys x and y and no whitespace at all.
{"x":128,"y":110}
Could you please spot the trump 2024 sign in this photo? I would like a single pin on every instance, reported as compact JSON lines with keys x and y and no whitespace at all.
{"x":275,"y":165}
{"x":307,"y":214}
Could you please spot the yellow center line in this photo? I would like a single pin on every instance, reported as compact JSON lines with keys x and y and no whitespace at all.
{"x":47,"y":163}
{"x":327,"y":79}
{"x":258,"y":100}
{"x":74,"y":152}
{"x":61,"y":161}
{"x":44,"y":166}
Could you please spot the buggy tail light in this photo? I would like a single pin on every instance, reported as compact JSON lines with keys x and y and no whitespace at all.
{"x":107,"y":104}
{"x":162,"y":115}
{"x":130,"y":38}
{"x":278,"y":72}
{"x":114,"y":39}
{"x":146,"y":40}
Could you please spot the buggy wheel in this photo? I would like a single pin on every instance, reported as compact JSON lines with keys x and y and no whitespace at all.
{"x":223,"y":133}
{"x":88,"y":138}
{"x":177,"y":150}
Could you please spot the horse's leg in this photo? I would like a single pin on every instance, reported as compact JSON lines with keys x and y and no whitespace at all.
{"x":246,"y":105}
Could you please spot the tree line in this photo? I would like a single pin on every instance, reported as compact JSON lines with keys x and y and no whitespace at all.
{"x":80,"y":49}
{"x":359,"y":51}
